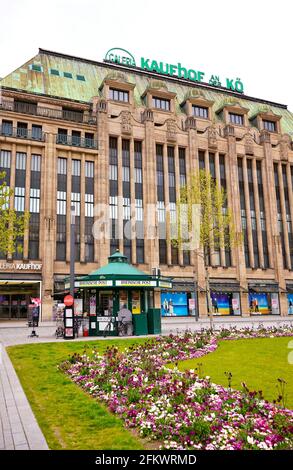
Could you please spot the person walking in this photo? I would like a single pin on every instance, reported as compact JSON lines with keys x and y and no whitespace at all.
{"x":125,"y":322}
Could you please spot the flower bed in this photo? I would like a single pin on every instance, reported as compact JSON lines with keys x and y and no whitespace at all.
{"x":180,"y":409}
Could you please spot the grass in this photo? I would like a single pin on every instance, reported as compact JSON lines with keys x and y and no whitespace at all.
{"x":257,"y":362}
{"x":70,"y":419}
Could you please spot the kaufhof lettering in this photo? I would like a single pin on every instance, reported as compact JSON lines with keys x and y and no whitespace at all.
{"x":171,"y":69}
{"x":21,"y":266}
{"x":123,"y":57}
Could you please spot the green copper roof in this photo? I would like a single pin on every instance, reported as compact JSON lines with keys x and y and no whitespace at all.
{"x":117,"y":266}
{"x":44,"y":74}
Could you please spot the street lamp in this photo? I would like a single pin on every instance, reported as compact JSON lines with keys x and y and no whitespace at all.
{"x":72,"y":248}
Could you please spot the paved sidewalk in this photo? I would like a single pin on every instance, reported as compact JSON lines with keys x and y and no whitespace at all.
{"x":19,"y":429}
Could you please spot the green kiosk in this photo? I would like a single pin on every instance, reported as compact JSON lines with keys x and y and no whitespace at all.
{"x":103,"y":292}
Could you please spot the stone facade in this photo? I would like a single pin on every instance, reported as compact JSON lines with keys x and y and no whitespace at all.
{"x":177,"y":127}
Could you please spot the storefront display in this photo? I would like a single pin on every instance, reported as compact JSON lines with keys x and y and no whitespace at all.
{"x":290,"y":303}
{"x":263,"y":303}
{"x":225,"y":303}
{"x":174,"y":304}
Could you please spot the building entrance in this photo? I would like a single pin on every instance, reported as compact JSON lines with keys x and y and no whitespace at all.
{"x":16,"y":297}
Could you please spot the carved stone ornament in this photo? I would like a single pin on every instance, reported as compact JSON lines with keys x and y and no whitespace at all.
{"x":228,"y":131}
{"x":171,"y":130}
{"x":126,"y":124}
{"x":285,"y":145}
{"x":249,"y":144}
{"x":147,"y":116}
{"x":102,"y":106}
{"x":212,"y":137}
{"x":190,"y":123}
{"x":265,"y":137}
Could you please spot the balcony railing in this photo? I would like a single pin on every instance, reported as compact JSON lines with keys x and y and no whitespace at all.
{"x":61,"y":114}
{"x":76,"y":141}
{"x":20,"y":133}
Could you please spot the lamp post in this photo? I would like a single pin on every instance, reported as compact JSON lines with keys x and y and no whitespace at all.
{"x":72,"y":248}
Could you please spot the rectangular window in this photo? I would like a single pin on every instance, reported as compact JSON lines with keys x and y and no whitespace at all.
{"x":200,"y":111}
{"x":67,"y":74}
{"x":5,"y":163}
{"x":7,"y":128}
{"x":76,"y":138}
{"x":21,"y":130}
{"x":36,"y":132}
{"x":281,"y":222}
{"x":201,"y":159}
{"x":269,"y":125}
{"x":161,"y":103}
{"x":160,"y":173}
{"x":80,"y":77}
{"x":243,"y":211}
{"x":118,"y":95}
{"x":62,"y":136}
{"x":236,"y":119}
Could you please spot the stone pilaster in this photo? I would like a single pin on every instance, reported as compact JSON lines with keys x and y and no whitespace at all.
{"x":101,"y":211}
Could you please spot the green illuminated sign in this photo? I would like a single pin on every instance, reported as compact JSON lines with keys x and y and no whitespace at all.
{"x":120,"y":56}
{"x":123,"y":57}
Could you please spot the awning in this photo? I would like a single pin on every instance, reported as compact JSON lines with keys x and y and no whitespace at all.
{"x":269,"y":288}
{"x":225,"y":287}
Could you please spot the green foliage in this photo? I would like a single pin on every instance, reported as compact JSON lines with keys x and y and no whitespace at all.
{"x":216,"y":221}
{"x":12,"y":225}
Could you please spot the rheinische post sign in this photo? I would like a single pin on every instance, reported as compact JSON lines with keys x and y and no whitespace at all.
{"x":123,"y":57}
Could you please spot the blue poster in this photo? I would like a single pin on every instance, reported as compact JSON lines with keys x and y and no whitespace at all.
{"x":259,"y":303}
{"x":174,"y":304}
{"x":290,"y":303}
{"x":221,"y":303}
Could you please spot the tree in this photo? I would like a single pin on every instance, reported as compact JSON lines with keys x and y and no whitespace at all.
{"x":204,"y":222}
{"x":12,"y":225}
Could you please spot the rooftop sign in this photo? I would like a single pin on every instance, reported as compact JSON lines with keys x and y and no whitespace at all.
{"x":123,"y":57}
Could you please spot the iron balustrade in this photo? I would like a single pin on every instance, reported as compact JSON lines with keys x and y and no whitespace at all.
{"x":76,"y":141}
{"x":51,"y":113}
{"x":21,"y":133}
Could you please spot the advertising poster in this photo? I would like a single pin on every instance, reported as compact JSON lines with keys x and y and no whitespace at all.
{"x":93,"y":304}
{"x":259,"y":303}
{"x":174,"y":304}
{"x":135,"y":302}
{"x":78,"y":306}
{"x":290,"y":303}
{"x":221,"y":303}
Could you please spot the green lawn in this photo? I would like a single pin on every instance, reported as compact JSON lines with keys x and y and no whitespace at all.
{"x":257,"y":362}
{"x":70,"y":419}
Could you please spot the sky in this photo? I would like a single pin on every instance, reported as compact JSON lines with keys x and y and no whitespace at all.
{"x":248,"y":39}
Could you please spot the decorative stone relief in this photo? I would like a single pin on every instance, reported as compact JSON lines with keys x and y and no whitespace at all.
{"x":285,"y":145}
{"x":249,"y":144}
{"x":126,"y":124}
{"x":171,"y":130}
{"x":212,"y":137}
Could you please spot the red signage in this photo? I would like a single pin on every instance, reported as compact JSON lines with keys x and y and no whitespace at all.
{"x":68,"y":300}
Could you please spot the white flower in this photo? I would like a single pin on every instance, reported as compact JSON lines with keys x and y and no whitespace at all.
{"x":250,"y":440}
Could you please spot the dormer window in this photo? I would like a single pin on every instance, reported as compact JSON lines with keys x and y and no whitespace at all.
{"x":236,"y":119}
{"x":118,"y":95}
{"x":161,"y":103}
{"x":269,"y":125}
{"x":200,"y":111}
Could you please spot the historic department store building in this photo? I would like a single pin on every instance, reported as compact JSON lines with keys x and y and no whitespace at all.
{"x":79,"y":132}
